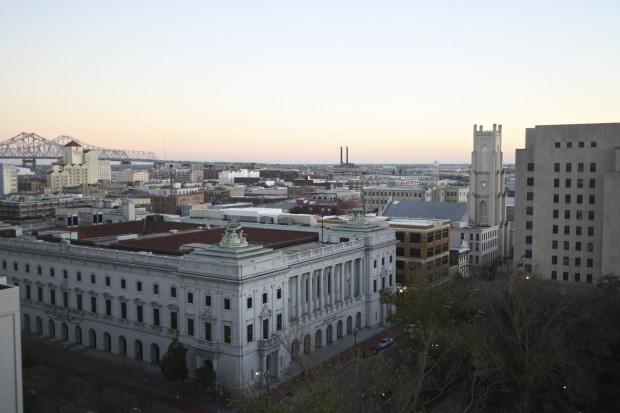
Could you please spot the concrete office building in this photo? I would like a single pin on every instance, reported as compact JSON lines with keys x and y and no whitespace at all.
{"x":566,"y":204}
{"x":8,"y":179}
{"x":10,"y":349}
{"x":241,"y":300}
{"x":77,"y":167}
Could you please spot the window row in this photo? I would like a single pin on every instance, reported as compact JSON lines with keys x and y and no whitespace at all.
{"x":568,"y":214}
{"x":568,"y":183}
{"x":568,"y":167}
{"x":576,"y":276}
{"x":578,"y":230}
{"x":580,"y":144}
{"x":576,"y":261}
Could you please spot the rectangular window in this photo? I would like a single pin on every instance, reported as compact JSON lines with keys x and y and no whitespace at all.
{"x":173,"y":292}
{"x":592,"y":183}
{"x":566,"y":229}
{"x":591,"y":215}
{"x":79,"y":301}
{"x":123,"y":284}
{"x":249,"y":302}
{"x":93,"y":279}
{"x":226,"y":303}
{"x":556,"y":183}
{"x":530,"y":167}
{"x":582,"y":144}
{"x":27,"y":268}
{"x":139,"y":285}
{"x":554,"y":275}
{"x":528,"y":239}
{"x":265,"y":329}
{"x":208,"y":300}
{"x":156,"y":289}
{"x":279,"y":290}
{"x":569,"y":167}
{"x":577,"y":262}
{"x":589,"y":278}
{"x":190,"y":298}
{"x":578,"y":230}
{"x":564,"y":276}
{"x":528,"y":253}
{"x":590,"y":247}
{"x":590,"y":263}
{"x":593,"y":167}
{"x":78,"y":276}
{"x":173,"y":320}
{"x":556,"y":167}
{"x":557,"y":144}
{"x":528,"y":225}
{"x":155,"y":316}
{"x":227,"y":334}
{"x":264,"y":298}
{"x":554,"y":244}
{"x":530,"y":196}
{"x":554,"y":259}
{"x":123,"y":310}
{"x":53,"y":297}
{"x":108,"y":307}
{"x":580,"y":199}
{"x":554,"y":229}
{"x":529,"y":210}
{"x":93,"y":304}
{"x":530,"y":181}
{"x":65,"y":299}
{"x":107,"y":281}
{"x":591,"y":199}
{"x":590,"y":231}
{"x":39,"y":270}
{"x":279,"y":322}
{"x":567,"y":214}
{"x":208,"y":332}
{"x":65,"y":274}
{"x":579,"y":214}
{"x":190,"y":327}
{"x":577,"y":277}
{"x":566,"y":245}
{"x":250,"y":333}
{"x":580,"y":183}
{"x":556,"y":213}
{"x":568,"y":183}
{"x":566,"y":261}
{"x":15,"y":266}
{"x":556,"y":198}
{"x":374,"y":286}
{"x":577,"y":246}
{"x":580,"y":167}
{"x":569,"y":144}
{"x":27,"y":292}
{"x":139,"y":314}
{"x":567,"y":199}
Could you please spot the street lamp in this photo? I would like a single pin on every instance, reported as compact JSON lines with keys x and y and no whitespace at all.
{"x":355,"y":331}
{"x":265,"y":376}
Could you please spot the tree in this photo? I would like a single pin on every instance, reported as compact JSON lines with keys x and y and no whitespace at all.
{"x":297,"y":209}
{"x":173,"y":364}
{"x":205,"y":377}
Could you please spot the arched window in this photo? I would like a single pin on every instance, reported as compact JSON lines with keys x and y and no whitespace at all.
{"x":484,"y":158}
{"x":483,"y":213}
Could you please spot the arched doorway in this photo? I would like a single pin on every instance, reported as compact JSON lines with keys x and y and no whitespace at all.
{"x":318,"y":338}
{"x":51,"y":329}
{"x":137,"y":350}
{"x":107,"y":342}
{"x":349,"y":325}
{"x":26,"y":322}
{"x":122,"y":346}
{"x":38,"y":325}
{"x":208,"y":364}
{"x":64,"y":332}
{"x":78,"y":334}
{"x":329,"y":334}
{"x":358,"y":320}
{"x":339,"y":331}
{"x":295,"y":349}
{"x":92,"y":338}
{"x":154,"y":353}
{"x":307,"y":344}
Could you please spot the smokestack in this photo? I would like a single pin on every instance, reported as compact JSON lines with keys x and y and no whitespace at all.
{"x":347,"y":155}
{"x":341,"y":155}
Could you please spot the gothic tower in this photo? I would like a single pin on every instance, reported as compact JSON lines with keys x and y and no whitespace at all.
{"x":487,"y":194}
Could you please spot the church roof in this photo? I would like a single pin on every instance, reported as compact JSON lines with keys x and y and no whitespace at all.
{"x":73,"y":143}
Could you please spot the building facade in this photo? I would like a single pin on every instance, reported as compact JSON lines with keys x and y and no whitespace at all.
{"x":239,"y":307}
{"x":10,"y":349}
{"x":567,"y":192}
{"x":8,"y":179}
{"x":77,"y":167}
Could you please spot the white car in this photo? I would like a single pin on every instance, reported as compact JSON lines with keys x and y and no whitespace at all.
{"x":385,"y":343}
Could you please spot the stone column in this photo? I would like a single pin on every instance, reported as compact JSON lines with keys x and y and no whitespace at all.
{"x":298,"y":300}
{"x":321,"y":276}
{"x":311,"y":292}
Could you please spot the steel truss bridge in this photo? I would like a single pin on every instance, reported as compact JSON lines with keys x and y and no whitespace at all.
{"x":30,"y":146}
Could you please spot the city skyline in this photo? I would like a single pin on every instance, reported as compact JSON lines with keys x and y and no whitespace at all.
{"x":278,"y":82}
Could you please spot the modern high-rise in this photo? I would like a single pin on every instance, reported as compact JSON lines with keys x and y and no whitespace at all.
{"x":567,"y":227}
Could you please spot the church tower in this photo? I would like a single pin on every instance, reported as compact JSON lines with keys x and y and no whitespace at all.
{"x":487,"y":194}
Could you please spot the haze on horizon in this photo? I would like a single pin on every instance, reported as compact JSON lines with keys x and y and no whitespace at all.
{"x":290,"y":82}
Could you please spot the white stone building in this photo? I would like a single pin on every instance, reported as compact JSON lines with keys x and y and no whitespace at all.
{"x":240,"y":307}
{"x":10,"y":349}
{"x":566,"y":205}
{"x":228,"y":177}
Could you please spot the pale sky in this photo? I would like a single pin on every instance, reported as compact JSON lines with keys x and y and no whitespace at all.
{"x":292,"y":81}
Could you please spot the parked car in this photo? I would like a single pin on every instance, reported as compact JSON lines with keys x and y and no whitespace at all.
{"x":385,"y":343}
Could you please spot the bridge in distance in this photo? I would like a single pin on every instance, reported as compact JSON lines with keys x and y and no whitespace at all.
{"x":29,"y":147}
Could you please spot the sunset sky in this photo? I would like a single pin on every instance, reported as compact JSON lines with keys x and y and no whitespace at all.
{"x":292,"y":81}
